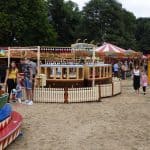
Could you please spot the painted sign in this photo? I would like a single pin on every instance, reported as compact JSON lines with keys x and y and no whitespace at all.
{"x":2,"y":53}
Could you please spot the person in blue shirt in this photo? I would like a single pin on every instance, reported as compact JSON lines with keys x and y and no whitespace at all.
{"x":116,"y":69}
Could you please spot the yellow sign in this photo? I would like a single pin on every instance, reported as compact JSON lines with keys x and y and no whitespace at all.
{"x":149,"y":70}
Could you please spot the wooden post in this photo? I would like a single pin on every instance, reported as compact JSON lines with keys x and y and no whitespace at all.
{"x":77,"y":73}
{"x":110,"y":71}
{"x":100,"y":72}
{"x":8,"y":56}
{"x":38,"y":59}
{"x":104,"y":71}
{"x":54,"y":75}
{"x":107,"y":71}
{"x":68,"y":73}
{"x":99,"y":89}
{"x":93,"y":73}
{"x":65,"y":95}
{"x":112,"y":88}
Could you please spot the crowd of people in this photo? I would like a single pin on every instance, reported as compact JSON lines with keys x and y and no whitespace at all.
{"x":18,"y":77}
{"x":138,"y":72}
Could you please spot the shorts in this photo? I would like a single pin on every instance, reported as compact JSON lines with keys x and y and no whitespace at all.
{"x":27,"y":84}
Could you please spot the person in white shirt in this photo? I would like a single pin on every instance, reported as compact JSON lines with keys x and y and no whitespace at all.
{"x":136,"y":79}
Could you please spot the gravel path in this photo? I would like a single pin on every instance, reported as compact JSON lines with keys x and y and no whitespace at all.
{"x":117,"y":123}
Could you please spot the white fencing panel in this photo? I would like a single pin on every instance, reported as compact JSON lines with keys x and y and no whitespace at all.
{"x":106,"y":90}
{"x":83,"y":94}
{"x":117,"y":87}
{"x":56,"y":95}
{"x":50,"y":95}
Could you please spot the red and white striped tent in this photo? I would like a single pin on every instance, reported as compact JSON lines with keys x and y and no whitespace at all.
{"x":110,"y":48}
{"x":144,"y":57}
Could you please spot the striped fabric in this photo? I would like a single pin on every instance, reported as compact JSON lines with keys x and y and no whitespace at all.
{"x":107,"y":47}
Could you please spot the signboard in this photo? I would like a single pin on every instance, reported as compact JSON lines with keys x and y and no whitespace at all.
{"x":23,"y":53}
{"x":149,"y":71}
{"x":84,"y":46}
{"x":2,"y":53}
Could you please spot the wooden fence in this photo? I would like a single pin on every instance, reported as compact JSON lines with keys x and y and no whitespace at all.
{"x":75,"y":95}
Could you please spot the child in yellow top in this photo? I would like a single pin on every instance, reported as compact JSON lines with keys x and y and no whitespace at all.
{"x":13,"y":74}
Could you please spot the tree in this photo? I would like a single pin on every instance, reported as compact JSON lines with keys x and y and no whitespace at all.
{"x":129,"y":22}
{"x":106,"y":20}
{"x":25,"y":22}
{"x":65,"y":17}
{"x":143,"y":34}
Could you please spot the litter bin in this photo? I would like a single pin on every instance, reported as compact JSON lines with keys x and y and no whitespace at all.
{"x":41,"y":79}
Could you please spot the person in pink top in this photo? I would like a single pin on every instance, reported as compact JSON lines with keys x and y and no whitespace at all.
{"x":144,"y":81}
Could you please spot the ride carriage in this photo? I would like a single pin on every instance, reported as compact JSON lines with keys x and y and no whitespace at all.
{"x":76,"y":75}
{"x":63,"y":75}
{"x":101,"y":73}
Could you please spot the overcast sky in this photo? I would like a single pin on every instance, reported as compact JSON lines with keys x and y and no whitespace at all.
{"x":140,"y":8}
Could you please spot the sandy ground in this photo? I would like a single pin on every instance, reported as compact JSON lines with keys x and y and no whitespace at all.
{"x":118,"y":123}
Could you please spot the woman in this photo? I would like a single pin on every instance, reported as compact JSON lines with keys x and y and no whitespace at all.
{"x":136,"y":79}
{"x":11,"y":77}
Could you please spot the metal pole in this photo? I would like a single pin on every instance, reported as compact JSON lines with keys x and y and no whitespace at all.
{"x":93,"y":58}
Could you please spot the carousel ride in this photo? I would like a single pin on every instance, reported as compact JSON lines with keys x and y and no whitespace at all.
{"x":10,"y":123}
{"x":77,"y":71}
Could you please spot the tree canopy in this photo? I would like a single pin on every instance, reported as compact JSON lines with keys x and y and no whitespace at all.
{"x":61,"y":23}
{"x":106,"y":20}
{"x":64,"y":16}
{"x":143,"y":34}
{"x":25,"y":22}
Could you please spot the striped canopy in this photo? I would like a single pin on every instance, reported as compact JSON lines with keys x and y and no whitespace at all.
{"x":110,"y":48}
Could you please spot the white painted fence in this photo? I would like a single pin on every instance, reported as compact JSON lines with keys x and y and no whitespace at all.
{"x":116,"y":87}
{"x":83,"y":94}
{"x":74,"y":95}
{"x":49,"y":95}
{"x":106,"y":90}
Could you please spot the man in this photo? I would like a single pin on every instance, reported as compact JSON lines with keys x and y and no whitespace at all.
{"x":33,"y":67}
{"x":28,"y":76}
{"x":34,"y":72}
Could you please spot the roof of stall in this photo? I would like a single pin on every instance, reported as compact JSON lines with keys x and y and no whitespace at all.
{"x":110,"y":48}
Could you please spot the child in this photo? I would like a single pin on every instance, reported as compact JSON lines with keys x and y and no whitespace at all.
{"x":144,"y":81}
{"x":17,"y":93}
{"x":19,"y":90}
